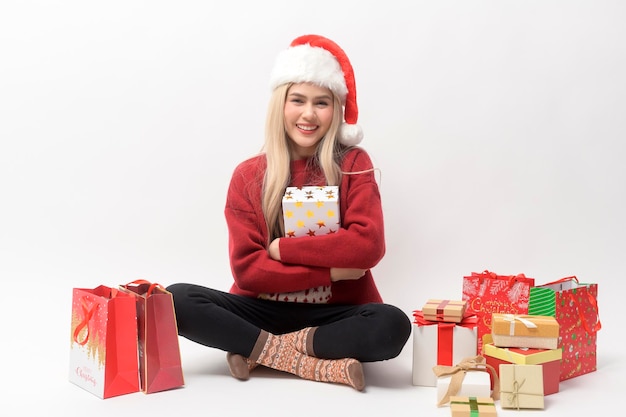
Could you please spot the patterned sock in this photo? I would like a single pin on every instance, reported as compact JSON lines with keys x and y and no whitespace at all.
{"x":240,"y":366}
{"x":279,"y":352}
{"x":303,"y":340}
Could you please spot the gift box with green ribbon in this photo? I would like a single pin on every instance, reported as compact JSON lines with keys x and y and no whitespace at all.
{"x":472,"y":407}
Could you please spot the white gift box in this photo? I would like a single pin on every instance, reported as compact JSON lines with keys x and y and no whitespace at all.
{"x":475,"y":384}
{"x":311,"y":211}
{"x":426,"y":349}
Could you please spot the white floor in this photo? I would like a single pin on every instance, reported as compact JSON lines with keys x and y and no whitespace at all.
{"x":34,"y":378}
{"x":500,"y":144}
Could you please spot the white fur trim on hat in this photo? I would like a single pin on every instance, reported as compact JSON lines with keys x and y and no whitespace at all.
{"x":320,"y":61}
{"x":306,"y":64}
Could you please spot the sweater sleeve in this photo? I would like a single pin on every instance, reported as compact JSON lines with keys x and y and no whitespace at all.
{"x":360,"y":242}
{"x":254,"y":271}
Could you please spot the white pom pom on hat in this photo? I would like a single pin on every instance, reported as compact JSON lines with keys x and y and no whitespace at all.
{"x":318,"y":60}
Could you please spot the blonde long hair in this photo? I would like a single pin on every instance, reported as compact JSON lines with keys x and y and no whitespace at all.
{"x":277,"y":152}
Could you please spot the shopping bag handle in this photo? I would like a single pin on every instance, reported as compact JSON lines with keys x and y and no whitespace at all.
{"x":151,"y":285}
{"x":566,"y":279}
{"x":594,"y":304}
{"x":84,"y":323}
{"x":511,"y":278}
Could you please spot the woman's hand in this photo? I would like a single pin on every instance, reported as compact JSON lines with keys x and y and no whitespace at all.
{"x":342,"y":274}
{"x":274,"y":250}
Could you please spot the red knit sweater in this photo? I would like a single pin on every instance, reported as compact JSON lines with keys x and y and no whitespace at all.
{"x":306,"y":262}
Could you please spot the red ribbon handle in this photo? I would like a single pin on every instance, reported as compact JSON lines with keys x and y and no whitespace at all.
{"x":492,"y":275}
{"x":151,"y":285}
{"x":581,"y":315}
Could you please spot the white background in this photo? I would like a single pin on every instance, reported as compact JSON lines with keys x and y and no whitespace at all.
{"x":498,"y":128}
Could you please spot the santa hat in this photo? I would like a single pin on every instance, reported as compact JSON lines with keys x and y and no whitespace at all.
{"x":318,"y":60}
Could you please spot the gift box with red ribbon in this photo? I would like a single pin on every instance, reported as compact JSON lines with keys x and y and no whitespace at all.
{"x":444,"y":310}
{"x":440,"y":343}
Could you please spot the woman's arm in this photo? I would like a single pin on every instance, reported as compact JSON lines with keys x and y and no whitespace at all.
{"x":253,"y":268}
{"x":360,"y":242}
{"x":336,"y":274}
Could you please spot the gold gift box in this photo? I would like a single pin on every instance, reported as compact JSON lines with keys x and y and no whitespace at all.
{"x":472,"y":406}
{"x":529,"y":331}
{"x":521,"y":386}
{"x":451,"y":311}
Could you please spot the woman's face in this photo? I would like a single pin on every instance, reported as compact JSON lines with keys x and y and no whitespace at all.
{"x":308,"y":116}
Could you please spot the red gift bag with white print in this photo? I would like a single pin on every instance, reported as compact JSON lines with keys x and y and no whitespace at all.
{"x":160,"y":366}
{"x":103,"y":346}
{"x":575,"y":307}
{"x":487,"y":293}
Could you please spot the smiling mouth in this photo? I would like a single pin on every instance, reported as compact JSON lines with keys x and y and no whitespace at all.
{"x":307,"y":128}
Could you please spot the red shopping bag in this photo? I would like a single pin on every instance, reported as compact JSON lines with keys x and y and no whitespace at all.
{"x":160,"y":365}
{"x":575,"y":307}
{"x":103,"y":346}
{"x":487,"y":293}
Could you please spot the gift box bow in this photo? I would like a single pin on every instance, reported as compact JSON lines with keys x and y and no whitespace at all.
{"x":512,"y":318}
{"x":469,"y":320}
{"x":458,"y":371}
{"x":445,"y":332}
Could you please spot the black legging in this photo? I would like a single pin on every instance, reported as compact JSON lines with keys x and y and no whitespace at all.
{"x":368,"y":333}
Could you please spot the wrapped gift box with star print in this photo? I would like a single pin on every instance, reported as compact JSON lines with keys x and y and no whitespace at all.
{"x":307,"y":212}
{"x":311,"y":210}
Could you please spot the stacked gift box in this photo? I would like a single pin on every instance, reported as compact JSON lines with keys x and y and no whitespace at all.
{"x":477,"y":358}
{"x":527,"y":341}
{"x":549,"y":359}
{"x":511,"y":368}
{"x":439,"y":342}
{"x":444,"y":351}
{"x":525,"y":352}
{"x":484,"y":349}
